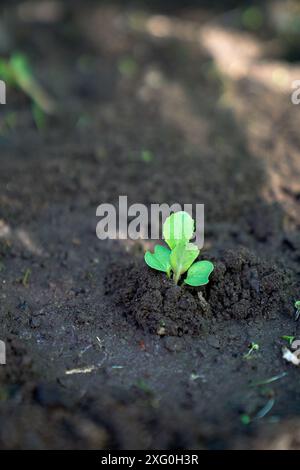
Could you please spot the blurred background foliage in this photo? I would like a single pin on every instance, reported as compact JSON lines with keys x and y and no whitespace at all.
{"x":278,"y":19}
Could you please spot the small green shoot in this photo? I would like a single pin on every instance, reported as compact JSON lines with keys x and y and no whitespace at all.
{"x":265,"y":409}
{"x":245,"y":419}
{"x":178,"y":230}
{"x":26,"y":277}
{"x":16,"y":72}
{"x":253,"y":347}
{"x":289,"y":339}
{"x":270,"y":380}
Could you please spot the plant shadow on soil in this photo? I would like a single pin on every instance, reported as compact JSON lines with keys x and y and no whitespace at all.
{"x":86,"y":367}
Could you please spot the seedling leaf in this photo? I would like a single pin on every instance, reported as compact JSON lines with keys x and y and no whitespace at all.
{"x":198,"y":274}
{"x":289,"y":339}
{"x":266,"y":409}
{"x":160,"y":259}
{"x":6,"y":73}
{"x":245,"y":419}
{"x":252,"y":347}
{"x":182,"y":257}
{"x":17,"y":72}
{"x":178,"y":228}
{"x":21,"y":69}
{"x":270,"y":380}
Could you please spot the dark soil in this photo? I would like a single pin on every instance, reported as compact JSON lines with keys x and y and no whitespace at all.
{"x":102,"y":352}
{"x":242,"y":287}
{"x":155,"y":304}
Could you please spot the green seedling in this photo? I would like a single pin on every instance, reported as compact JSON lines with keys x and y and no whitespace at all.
{"x":253,"y":347}
{"x":289,"y":339}
{"x":178,"y":259}
{"x":26,"y":277}
{"x":297,"y":307}
{"x":16,"y":72}
{"x":265,"y":409}
{"x":245,"y":419}
{"x":270,"y":380}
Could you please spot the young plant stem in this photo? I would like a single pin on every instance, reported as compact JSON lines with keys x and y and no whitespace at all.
{"x":176,"y":277}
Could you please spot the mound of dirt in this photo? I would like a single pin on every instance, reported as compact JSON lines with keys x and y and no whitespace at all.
{"x":245,"y":286}
{"x":155,"y":303}
{"x":242,"y":287}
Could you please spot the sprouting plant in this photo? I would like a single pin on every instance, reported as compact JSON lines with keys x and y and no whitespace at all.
{"x":178,"y":230}
{"x":253,"y":347}
{"x":289,"y":339}
{"x":17,"y":73}
{"x":26,"y":277}
{"x":245,"y":419}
